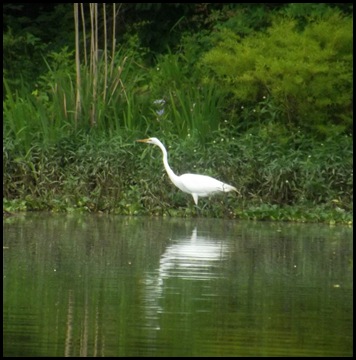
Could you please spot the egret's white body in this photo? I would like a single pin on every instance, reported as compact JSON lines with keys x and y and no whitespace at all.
{"x":194,"y":184}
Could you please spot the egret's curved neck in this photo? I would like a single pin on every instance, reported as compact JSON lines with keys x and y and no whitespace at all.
{"x":171,"y":174}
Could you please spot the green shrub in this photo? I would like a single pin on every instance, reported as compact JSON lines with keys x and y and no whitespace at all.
{"x":22,"y":57}
{"x":306,"y":74}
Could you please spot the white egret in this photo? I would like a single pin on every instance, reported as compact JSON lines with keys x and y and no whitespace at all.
{"x":194,"y":184}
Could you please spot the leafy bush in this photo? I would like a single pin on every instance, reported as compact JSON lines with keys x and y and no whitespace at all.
{"x":31,"y":32}
{"x":22,"y":57}
{"x":306,"y":73}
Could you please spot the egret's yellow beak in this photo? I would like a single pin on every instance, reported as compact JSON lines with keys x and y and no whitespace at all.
{"x":143,"y":140}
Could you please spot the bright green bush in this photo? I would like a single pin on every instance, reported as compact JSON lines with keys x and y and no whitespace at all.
{"x":306,"y":73}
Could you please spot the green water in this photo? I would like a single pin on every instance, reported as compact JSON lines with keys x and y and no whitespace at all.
{"x":115,"y":286}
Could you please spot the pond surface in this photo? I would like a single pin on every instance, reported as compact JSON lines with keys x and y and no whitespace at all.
{"x":116,"y":286}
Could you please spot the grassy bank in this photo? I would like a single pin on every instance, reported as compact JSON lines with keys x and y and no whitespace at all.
{"x":293,"y":180}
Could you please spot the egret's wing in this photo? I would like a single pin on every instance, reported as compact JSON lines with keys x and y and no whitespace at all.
{"x":201,"y":185}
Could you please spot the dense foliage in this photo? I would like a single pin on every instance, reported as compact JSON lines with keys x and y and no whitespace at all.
{"x":257,"y":95}
{"x":305,"y":74}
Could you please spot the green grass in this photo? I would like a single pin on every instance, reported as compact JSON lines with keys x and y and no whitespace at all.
{"x":299,"y":181}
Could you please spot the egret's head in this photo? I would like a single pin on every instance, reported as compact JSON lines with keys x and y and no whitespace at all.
{"x":152,"y":140}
